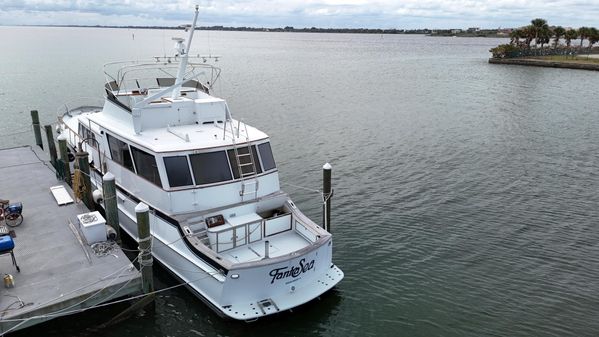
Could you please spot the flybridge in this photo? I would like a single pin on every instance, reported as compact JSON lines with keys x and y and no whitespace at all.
{"x":150,"y":108}
{"x":165,"y":92}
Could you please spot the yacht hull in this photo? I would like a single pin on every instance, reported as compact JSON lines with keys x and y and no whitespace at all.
{"x":241,"y":293}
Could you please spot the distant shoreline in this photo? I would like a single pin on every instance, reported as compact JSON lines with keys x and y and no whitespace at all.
{"x":425,"y":31}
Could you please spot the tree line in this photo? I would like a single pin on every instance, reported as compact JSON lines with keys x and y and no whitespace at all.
{"x":542,"y":34}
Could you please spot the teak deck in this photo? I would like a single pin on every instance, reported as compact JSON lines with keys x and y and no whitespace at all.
{"x":57,"y":276}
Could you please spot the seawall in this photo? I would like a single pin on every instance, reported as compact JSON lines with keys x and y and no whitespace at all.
{"x":546,"y":63}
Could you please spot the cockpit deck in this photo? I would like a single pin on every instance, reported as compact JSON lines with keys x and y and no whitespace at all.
{"x":278,"y":245}
{"x":253,"y":237}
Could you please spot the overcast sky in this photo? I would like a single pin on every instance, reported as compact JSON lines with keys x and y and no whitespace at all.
{"x":303,"y":13}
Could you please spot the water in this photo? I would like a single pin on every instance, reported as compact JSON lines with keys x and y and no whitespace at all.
{"x":465,"y":193}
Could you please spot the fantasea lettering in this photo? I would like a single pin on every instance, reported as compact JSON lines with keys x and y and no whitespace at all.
{"x":295,"y":271}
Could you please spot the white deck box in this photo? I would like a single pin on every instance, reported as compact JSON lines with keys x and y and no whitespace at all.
{"x":93,"y":227}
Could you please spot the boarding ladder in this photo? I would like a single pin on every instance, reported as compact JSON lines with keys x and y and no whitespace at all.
{"x":244,"y":159}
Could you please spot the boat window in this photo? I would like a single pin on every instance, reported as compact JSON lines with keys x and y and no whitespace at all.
{"x":86,"y":133}
{"x":177,"y":171}
{"x":211,"y":167}
{"x":165,"y":82}
{"x":245,"y":162}
{"x":145,"y":164}
{"x":119,"y":152}
{"x":268,"y":161}
{"x":112,"y":98}
{"x":256,"y":160}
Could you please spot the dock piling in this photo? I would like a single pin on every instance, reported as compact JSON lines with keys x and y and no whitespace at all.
{"x":64,"y":158}
{"x":142,"y":212}
{"x":51,"y":145}
{"x":110,"y":206}
{"x":35,"y":122}
{"x":83,"y":163}
{"x":327,"y":193}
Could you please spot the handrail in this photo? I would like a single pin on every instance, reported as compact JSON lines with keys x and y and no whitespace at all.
{"x":125,"y":68}
{"x":65,"y":106}
{"x":236,"y":241}
{"x":74,"y":136}
{"x":307,"y":223}
{"x":234,"y":238}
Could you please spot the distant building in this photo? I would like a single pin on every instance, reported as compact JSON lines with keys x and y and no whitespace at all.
{"x":456,"y":31}
{"x":473,"y":29}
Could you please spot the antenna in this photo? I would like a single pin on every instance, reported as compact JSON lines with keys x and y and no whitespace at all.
{"x":183,"y":51}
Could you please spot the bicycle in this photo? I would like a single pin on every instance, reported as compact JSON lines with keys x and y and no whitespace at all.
{"x":11,"y":213}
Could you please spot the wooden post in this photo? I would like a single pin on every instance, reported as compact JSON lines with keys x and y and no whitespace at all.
{"x":35,"y":122}
{"x":142,"y":212}
{"x":64,"y":157}
{"x":110,"y":206}
{"x":51,"y":145}
{"x":327,"y":194}
{"x":82,"y":161}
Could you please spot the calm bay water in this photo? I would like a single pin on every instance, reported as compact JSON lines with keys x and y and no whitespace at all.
{"x":465,"y":193}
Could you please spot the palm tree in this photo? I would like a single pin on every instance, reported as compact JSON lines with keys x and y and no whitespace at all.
{"x":558,"y":32}
{"x":529,"y":34}
{"x":516,"y":35}
{"x":583,"y":33}
{"x":544,"y":35}
{"x":570,"y":35}
{"x":538,"y":24}
{"x":593,"y":36}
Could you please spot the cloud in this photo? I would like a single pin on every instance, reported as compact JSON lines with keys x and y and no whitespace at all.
{"x":306,"y":13}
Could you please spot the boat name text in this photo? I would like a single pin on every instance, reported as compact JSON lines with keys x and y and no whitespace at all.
{"x":295,"y":271}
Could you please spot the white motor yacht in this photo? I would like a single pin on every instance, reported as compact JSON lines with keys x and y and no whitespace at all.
{"x":219,"y":219}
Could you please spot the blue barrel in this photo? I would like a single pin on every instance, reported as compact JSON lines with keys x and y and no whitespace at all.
{"x":6,"y":243}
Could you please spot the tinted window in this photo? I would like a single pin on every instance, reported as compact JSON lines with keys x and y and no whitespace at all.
{"x":256,"y":161}
{"x":119,"y":151}
{"x":211,"y":167}
{"x":177,"y":171}
{"x":145,"y":164}
{"x":245,"y":162}
{"x":85,"y":133}
{"x":266,"y":155}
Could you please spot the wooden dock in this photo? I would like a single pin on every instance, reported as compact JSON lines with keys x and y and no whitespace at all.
{"x":59,"y":275}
